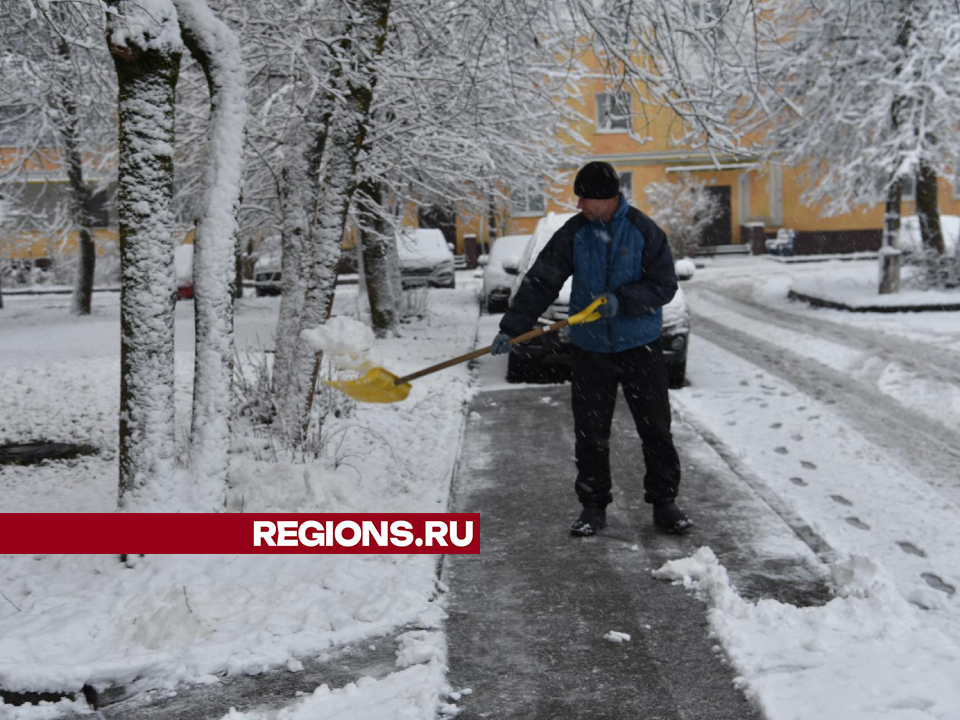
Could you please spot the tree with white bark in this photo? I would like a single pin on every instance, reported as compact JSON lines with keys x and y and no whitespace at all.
{"x":145,"y":43}
{"x":462,"y":99}
{"x":216,"y":49}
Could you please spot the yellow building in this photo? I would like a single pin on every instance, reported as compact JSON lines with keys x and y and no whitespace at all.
{"x":42,"y":186}
{"x":637,"y":140}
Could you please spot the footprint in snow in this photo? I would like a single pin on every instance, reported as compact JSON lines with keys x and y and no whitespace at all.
{"x":937,"y":583}
{"x":857,"y":523}
{"x":809,"y":465}
{"x":799,"y":482}
{"x":911,"y":549}
{"x":744,"y":383}
{"x":798,"y":437}
{"x":777,"y":426}
{"x":782,"y":450}
{"x":802,"y":407}
{"x":813,"y":417}
{"x":842,"y":500}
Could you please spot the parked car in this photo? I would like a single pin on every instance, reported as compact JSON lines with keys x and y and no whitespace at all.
{"x":496,"y":280}
{"x":266,"y":275}
{"x":425,"y":258}
{"x":547,"y":358}
{"x":183,"y":267}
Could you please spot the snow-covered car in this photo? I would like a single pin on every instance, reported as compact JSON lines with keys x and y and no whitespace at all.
{"x":909,"y":240}
{"x":183,"y":267}
{"x":547,"y":358}
{"x":425,"y":258}
{"x":266,"y":274}
{"x":497,"y":280}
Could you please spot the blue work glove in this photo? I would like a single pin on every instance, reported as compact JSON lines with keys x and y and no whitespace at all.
{"x":609,"y":308}
{"x":501,"y":344}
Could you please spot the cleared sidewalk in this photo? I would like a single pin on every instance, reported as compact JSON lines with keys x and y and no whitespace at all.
{"x":528,"y":616}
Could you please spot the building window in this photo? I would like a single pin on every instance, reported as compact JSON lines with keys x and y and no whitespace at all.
{"x":908,"y":188}
{"x":626,"y":185}
{"x":613,"y":111}
{"x":529,"y":201}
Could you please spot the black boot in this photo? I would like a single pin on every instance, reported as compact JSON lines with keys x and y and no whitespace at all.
{"x":671,"y":518}
{"x":592,"y":519}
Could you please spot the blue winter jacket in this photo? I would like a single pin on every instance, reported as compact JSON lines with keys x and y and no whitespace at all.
{"x":629,"y":256}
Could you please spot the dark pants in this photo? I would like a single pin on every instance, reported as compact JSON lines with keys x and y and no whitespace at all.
{"x":643,"y":375}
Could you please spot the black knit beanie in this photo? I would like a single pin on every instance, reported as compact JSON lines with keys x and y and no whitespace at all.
{"x":597,"y":181}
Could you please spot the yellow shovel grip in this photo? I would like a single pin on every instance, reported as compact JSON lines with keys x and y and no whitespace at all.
{"x":589,"y":313}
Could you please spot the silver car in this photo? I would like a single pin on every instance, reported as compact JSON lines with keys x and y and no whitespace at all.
{"x":425,"y":258}
{"x":496,"y":280}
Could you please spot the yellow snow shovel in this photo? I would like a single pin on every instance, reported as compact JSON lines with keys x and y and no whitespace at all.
{"x":381,"y":386}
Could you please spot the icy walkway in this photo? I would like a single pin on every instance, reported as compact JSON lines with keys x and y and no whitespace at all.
{"x":530,"y":617}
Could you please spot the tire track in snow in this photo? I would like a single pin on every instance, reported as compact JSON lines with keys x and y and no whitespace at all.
{"x":933,"y":362}
{"x":923,"y":444}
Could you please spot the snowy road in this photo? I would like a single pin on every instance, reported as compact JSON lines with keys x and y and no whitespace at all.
{"x":846,"y":423}
{"x":861,"y":371}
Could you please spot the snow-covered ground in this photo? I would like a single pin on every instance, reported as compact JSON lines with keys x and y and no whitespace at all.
{"x":846,"y":422}
{"x":829,"y":413}
{"x":72,"y":620}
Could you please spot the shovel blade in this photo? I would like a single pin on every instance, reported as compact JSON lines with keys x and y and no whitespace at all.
{"x":377,"y":386}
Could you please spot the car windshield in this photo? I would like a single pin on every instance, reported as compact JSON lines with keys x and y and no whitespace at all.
{"x":541,"y":236}
{"x":418,"y":242}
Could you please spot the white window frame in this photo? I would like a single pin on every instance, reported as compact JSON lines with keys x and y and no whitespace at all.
{"x":529,"y":202}
{"x":604,"y":104}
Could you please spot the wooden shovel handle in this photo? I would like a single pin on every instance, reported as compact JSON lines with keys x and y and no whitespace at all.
{"x":483,"y":351}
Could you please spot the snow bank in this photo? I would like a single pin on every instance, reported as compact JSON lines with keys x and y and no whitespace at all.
{"x":174,"y":619}
{"x":867,"y":652}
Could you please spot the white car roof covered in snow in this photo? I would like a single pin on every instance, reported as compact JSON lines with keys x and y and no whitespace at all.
{"x":422,"y":244}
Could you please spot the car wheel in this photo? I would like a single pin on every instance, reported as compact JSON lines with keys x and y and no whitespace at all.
{"x":677,"y":375}
{"x":521,"y":369}
{"x":261,"y":292}
{"x":527,"y":370}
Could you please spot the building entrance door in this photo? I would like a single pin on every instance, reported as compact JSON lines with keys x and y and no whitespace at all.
{"x":720,"y":231}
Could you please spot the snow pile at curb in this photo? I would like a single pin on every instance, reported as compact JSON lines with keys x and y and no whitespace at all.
{"x":415,"y":691}
{"x":868,"y":651}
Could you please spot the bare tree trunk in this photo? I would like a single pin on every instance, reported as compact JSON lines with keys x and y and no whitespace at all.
{"x":384,"y":305}
{"x":342,"y":134}
{"x":238,"y":272}
{"x":890,"y":257}
{"x":292,"y":233}
{"x":147,"y":76}
{"x":81,"y":197}
{"x":928,"y":212}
